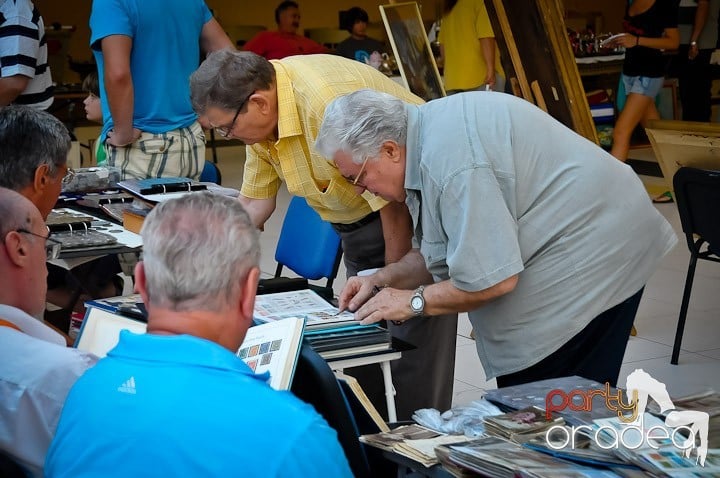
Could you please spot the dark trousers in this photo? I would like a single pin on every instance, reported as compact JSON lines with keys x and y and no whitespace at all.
{"x":596,"y":352}
{"x":423,"y":377}
{"x":695,"y":82}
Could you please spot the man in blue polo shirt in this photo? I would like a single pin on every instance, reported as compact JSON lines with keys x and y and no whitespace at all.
{"x":145,"y":52}
{"x":177,"y":401}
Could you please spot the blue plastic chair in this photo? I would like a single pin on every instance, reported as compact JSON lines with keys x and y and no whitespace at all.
{"x":210,"y":173}
{"x":308,"y":246}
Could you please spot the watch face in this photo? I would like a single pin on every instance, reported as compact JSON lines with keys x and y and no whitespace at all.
{"x":417,"y":303}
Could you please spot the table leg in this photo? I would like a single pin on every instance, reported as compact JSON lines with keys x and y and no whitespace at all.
{"x":389,"y":391}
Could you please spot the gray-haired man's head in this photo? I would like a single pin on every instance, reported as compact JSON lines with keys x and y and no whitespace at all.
{"x":29,"y":138}
{"x":197,"y":252}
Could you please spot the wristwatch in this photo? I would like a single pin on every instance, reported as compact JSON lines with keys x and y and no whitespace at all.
{"x":693,"y":43}
{"x":417,"y":301}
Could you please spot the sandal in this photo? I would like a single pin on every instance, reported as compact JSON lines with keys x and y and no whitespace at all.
{"x":664,"y":198}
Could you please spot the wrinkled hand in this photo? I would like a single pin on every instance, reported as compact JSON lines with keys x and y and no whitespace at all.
{"x":388,"y":304}
{"x":120,"y":140}
{"x":356,"y":292}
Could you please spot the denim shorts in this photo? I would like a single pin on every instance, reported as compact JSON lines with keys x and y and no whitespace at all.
{"x":642,"y":85}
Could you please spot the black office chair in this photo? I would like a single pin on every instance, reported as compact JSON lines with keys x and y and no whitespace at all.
{"x":315,"y":383}
{"x":9,"y":468}
{"x":697,"y":194}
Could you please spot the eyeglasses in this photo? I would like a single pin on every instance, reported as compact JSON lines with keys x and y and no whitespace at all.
{"x":52,"y":247}
{"x":225,"y":131}
{"x":362,"y":168}
{"x":68,"y":176}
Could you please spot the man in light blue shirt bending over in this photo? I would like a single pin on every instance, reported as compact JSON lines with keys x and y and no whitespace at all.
{"x":177,"y":401}
{"x":542,"y":237}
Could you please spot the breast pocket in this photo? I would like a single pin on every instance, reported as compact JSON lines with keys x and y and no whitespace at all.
{"x":435,"y":255}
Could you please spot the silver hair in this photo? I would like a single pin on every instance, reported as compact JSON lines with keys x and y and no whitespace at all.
{"x":358,"y":124}
{"x":29,"y":138}
{"x":198,"y":250}
{"x":227,"y":77}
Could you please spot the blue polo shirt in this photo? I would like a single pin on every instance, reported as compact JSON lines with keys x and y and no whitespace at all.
{"x":165,"y":51}
{"x":184,"y":406}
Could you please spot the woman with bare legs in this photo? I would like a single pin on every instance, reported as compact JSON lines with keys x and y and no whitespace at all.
{"x":650,"y":27}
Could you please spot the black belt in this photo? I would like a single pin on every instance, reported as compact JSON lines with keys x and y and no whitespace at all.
{"x":341,"y":228}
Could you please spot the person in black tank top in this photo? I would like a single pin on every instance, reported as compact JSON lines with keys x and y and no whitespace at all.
{"x":650,"y":28}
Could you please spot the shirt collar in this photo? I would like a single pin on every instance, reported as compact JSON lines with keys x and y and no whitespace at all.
{"x":288,"y":117}
{"x":181,"y":350}
{"x":412,"y":148}
{"x":30,"y":325}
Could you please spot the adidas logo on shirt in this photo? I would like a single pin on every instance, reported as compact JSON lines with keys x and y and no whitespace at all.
{"x":128,"y":386}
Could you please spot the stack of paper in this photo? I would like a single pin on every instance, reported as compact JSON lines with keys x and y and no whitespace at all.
{"x":412,"y":441}
{"x":498,"y":458}
{"x":300,"y":303}
{"x":522,"y":425}
{"x":348,"y":340}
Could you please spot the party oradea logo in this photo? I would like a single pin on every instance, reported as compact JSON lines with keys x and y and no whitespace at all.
{"x":630,"y":432}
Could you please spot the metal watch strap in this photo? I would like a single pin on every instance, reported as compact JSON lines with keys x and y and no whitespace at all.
{"x":418,"y":293}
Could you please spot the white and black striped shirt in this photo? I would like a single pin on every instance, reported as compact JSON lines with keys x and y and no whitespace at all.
{"x":23,"y":51}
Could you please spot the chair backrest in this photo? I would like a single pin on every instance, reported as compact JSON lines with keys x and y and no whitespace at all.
{"x":9,"y":468}
{"x":697,"y":193}
{"x":330,"y":37}
{"x":309,"y":246}
{"x":211,"y":173}
{"x":315,"y":383}
{"x":241,"y":34}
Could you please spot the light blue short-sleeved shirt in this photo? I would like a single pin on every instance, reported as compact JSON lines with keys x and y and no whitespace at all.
{"x":497,"y":187}
{"x":165,"y":51}
{"x":186,"y":407}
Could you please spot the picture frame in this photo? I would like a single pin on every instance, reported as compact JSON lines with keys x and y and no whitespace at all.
{"x":678,"y":144}
{"x":410,"y":44}
{"x":539,"y":63}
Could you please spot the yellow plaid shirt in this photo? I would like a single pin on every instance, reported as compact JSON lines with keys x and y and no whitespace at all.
{"x":305,"y":85}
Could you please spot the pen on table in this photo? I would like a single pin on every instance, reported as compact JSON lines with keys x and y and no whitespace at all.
{"x":375,"y":290}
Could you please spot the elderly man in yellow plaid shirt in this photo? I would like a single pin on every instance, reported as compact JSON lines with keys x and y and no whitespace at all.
{"x":276,"y":108}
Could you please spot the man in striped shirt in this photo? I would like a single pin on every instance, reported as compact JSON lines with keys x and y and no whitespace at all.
{"x":24,"y":70}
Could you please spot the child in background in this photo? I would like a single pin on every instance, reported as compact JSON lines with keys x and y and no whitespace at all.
{"x":93,"y":111}
{"x":358,"y":46}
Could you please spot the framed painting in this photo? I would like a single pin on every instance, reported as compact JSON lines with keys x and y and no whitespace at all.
{"x":538,"y":60}
{"x":411,"y":47}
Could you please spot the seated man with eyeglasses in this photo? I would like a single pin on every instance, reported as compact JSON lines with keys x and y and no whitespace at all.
{"x":33,"y":162}
{"x":36,"y":368}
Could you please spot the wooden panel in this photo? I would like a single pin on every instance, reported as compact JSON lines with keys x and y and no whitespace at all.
{"x":684,"y":143}
{"x":534,"y":47}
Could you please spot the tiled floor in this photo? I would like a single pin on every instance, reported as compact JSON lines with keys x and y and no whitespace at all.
{"x":699,"y":367}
